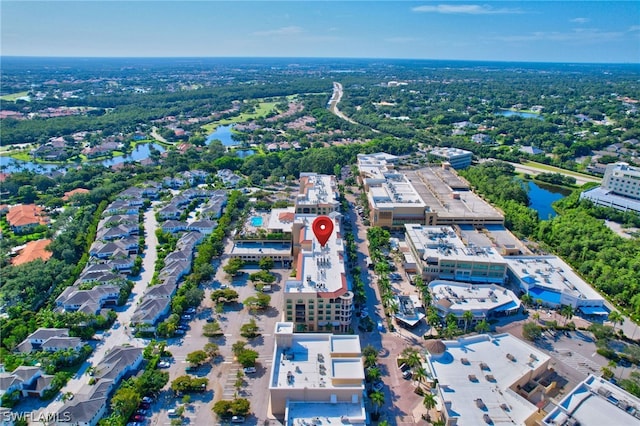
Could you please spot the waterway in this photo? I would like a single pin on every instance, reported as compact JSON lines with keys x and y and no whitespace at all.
{"x":223,"y":134}
{"x":140,"y":152}
{"x":541,"y":197}
{"x":509,"y":113}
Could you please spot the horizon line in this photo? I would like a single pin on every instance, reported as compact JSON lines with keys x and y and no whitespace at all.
{"x":317,"y":57}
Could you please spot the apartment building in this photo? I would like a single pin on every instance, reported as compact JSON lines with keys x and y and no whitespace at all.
{"x":317,"y":195}
{"x":620,"y":188}
{"x":317,"y":378}
{"x":456,"y":157}
{"x":319,"y":297}
{"x":440,"y":253}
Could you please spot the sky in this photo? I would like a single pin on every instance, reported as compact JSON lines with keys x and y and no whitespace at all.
{"x":536,"y":31}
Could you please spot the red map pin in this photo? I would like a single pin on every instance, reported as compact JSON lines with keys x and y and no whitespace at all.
{"x":322,"y":228}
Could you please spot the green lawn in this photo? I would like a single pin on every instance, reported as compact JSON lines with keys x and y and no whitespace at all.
{"x":13,"y":97}
{"x":262,"y":109}
{"x":553,"y":169}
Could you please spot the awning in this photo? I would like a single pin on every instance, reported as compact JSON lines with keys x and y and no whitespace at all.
{"x":594,"y":310}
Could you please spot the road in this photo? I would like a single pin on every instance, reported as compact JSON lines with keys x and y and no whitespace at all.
{"x":120,"y":333}
{"x":580,"y":179}
{"x":335,"y":100}
{"x":402,"y":405}
{"x":157,"y":136}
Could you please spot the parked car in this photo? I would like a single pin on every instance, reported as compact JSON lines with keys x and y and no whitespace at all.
{"x":377,"y":386}
{"x":210,"y":319}
{"x":249,"y":370}
{"x":237,"y":419}
{"x":138,"y":418}
{"x":145,"y":405}
{"x":172,"y":412}
{"x":190,"y":311}
{"x":380,"y":326}
{"x":141,"y":412}
{"x":407,"y":374}
{"x":186,"y":317}
{"x":147,"y":400}
{"x":164,"y":364}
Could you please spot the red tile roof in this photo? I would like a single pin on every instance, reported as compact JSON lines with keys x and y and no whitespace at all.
{"x":26,"y":214}
{"x":73,"y":192}
{"x":32,"y":251}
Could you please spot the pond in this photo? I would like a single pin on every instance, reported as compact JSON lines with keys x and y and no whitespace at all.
{"x":542,"y":196}
{"x":140,"y":152}
{"x":223,"y":134}
{"x":510,"y":113}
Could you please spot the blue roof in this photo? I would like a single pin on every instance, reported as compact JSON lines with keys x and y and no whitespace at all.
{"x":594,"y":310}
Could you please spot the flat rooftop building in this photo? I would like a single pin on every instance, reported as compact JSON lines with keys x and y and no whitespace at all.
{"x":620,"y":188}
{"x":440,"y":253}
{"x":489,"y":379}
{"x":551,"y":280}
{"x":484,"y":301}
{"x":317,"y":194}
{"x":394,"y":202}
{"x":456,"y":157}
{"x":318,"y":298}
{"x":449,"y":199}
{"x":312,"y":369}
{"x":595,"y":402}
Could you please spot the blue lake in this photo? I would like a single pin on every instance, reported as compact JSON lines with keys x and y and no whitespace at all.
{"x":509,"y":113}
{"x":542,"y":196}
{"x":223,"y":134}
{"x":140,"y":152}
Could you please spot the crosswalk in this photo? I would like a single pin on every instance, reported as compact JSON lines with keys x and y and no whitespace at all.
{"x":577,"y":361}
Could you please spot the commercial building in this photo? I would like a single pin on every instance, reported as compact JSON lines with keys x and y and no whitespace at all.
{"x":449,"y":199}
{"x":594,"y":402}
{"x":553,"y":282}
{"x":317,"y":195}
{"x":484,"y":301}
{"x":318,"y":298}
{"x":490,"y":379}
{"x":456,"y":157}
{"x":317,"y":378}
{"x":620,"y":188}
{"x":440,"y":253}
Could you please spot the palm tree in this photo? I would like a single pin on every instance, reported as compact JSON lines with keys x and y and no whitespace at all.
{"x":616,"y":318}
{"x":482,"y":326}
{"x":451,"y":319}
{"x":429,"y":402}
{"x":536,"y":316}
{"x":467,"y":316}
{"x":526,"y":299}
{"x":567,"y":312}
{"x":420,"y":374}
{"x":377,"y":399}
{"x":370,"y":360}
{"x":373,"y":374}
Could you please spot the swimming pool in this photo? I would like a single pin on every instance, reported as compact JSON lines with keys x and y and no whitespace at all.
{"x":256,"y":221}
{"x":545,"y":295}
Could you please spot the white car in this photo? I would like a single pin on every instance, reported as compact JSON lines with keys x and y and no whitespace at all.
{"x":249,"y":370}
{"x":164,"y":364}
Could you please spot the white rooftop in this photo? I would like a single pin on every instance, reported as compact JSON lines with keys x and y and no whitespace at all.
{"x":281,"y":219}
{"x":553,"y":273}
{"x":483,"y":367}
{"x":307,"y":361}
{"x":596,"y":402}
{"x":302,"y":413}
{"x":449,"y":152}
{"x":396,"y":190}
{"x":442,"y":242}
{"x":254,"y":248}
{"x":477,"y":298}
{"x":317,"y":190}
{"x":322,"y":268}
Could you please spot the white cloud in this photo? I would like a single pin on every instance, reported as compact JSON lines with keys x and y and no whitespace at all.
{"x":467,"y":9}
{"x":580,"y":20}
{"x":578,"y":35}
{"x":283,"y":31}
{"x":401,"y":39}
{"x":634,"y":28}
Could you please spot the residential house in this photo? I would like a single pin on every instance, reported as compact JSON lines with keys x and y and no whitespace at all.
{"x":150,"y":312}
{"x":28,"y":381}
{"x":25,"y":216}
{"x":206,"y":227}
{"x":90,"y":301}
{"x":174,"y":226}
{"x":33,"y":250}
